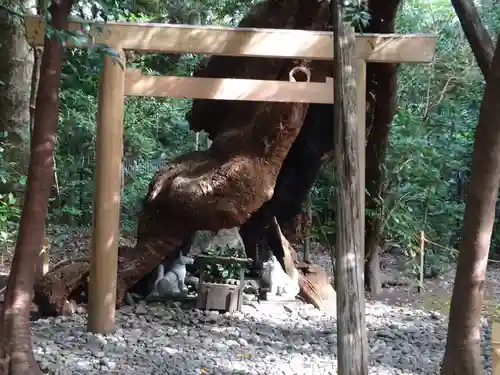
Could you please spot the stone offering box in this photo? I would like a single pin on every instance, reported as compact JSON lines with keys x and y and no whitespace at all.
{"x":224,"y":297}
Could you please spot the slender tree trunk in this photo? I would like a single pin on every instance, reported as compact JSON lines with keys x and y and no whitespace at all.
{"x":462,"y":354}
{"x":35,"y":80}
{"x":480,"y":41}
{"x":16,"y":356}
{"x":381,"y":104}
{"x":351,"y":330}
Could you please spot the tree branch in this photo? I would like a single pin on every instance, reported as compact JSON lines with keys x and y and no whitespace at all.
{"x":480,"y":41}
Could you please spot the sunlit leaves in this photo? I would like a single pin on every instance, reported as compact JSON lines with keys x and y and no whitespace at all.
{"x":357,"y":15}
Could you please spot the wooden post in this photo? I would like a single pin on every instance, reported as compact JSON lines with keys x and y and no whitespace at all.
{"x":241,"y":288}
{"x":361,"y":116}
{"x":422,"y":257}
{"x":352,"y":342}
{"x":106,"y":215}
{"x":495,"y":347}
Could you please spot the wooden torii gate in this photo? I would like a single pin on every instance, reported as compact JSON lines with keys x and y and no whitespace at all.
{"x":118,"y":82}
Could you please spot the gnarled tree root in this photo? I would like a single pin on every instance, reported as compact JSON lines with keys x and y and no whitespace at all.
{"x":64,"y":283}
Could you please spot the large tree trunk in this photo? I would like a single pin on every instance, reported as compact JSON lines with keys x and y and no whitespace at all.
{"x":480,"y":41}
{"x":220,"y":187}
{"x":381,"y":104}
{"x":225,"y":115}
{"x":16,"y":355}
{"x":462,"y":354}
{"x":15,"y":81}
{"x":296,"y":176}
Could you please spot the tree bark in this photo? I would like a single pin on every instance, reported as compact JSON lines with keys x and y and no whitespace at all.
{"x":351,"y":330}
{"x":316,"y":140}
{"x":462,"y":354}
{"x":479,"y":39}
{"x":296,"y":176}
{"x":16,"y":355}
{"x":381,"y":107}
{"x":15,"y":77}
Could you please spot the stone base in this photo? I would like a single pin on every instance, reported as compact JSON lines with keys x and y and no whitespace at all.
{"x":271,"y":298}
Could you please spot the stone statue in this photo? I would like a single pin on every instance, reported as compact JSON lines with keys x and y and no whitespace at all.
{"x":171,"y":283}
{"x":280,"y":284}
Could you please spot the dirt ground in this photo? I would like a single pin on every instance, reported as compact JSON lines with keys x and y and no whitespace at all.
{"x":435,"y":296}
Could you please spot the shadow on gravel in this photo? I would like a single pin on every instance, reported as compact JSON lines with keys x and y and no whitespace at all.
{"x":398,"y":344}
{"x":393,"y":348}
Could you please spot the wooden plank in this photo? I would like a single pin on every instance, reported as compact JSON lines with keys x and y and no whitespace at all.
{"x":137,"y":84}
{"x":206,"y":259}
{"x":300,"y":44}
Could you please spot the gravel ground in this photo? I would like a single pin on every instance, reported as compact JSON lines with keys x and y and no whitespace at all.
{"x":286,"y":339}
{"x":282,"y":339}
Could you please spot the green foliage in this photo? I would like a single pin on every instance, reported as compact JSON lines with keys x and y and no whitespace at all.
{"x":9,"y":208}
{"x":357,"y":15}
{"x":218,"y":272}
{"x":431,"y":139}
{"x":323,"y":203}
{"x":9,"y":219}
{"x":155,"y":129}
{"x":432,"y":135}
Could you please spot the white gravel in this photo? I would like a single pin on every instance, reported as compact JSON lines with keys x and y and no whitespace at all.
{"x":280,"y":339}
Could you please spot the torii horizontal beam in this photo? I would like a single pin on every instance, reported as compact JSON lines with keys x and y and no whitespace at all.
{"x":252,"y":42}
{"x":138,"y":84}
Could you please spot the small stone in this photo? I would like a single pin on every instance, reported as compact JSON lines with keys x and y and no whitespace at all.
{"x":436,"y":316}
{"x":140,"y":309}
{"x":44,"y":366}
{"x":109,"y":364}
